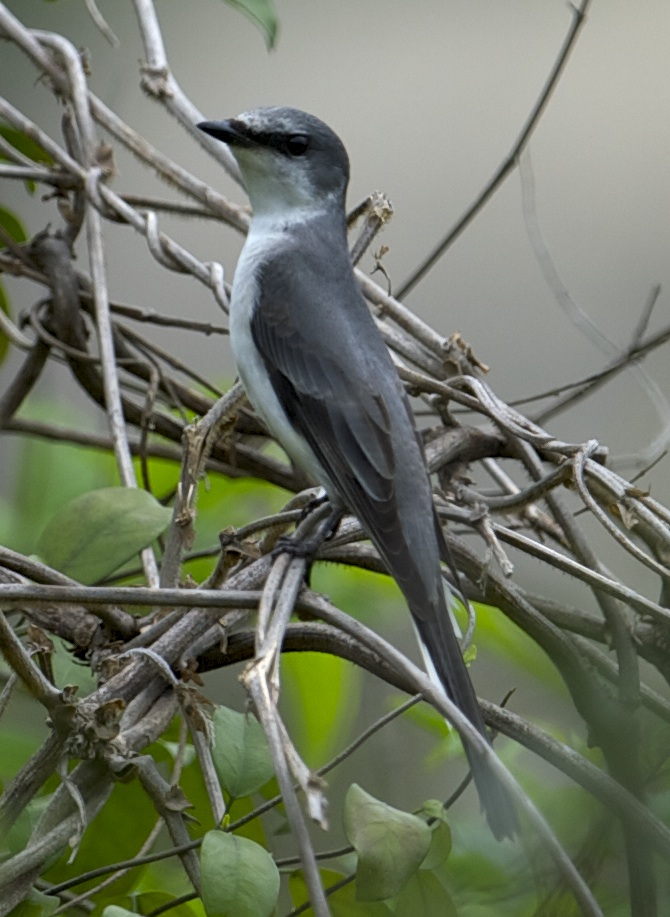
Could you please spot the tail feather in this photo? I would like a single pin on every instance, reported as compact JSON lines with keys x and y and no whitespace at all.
{"x":437,"y":636}
{"x":412,"y":554}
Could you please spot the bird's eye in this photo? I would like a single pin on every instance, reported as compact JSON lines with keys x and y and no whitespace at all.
{"x":297,"y":144}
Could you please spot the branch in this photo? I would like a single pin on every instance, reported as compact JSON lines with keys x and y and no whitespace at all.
{"x":578,"y":20}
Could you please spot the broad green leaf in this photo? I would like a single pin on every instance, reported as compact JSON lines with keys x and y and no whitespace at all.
{"x":148,"y":902}
{"x":342,"y":903}
{"x":94,"y":534}
{"x":240,"y":752}
{"x":433,"y":808}
{"x":12,"y":226}
{"x":440,"y":847}
{"x":24,"y":144}
{"x":37,"y":904}
{"x":424,"y":894}
{"x":322,"y":694}
{"x":390,"y":844}
{"x":69,"y":671}
{"x":128,"y":815}
{"x":30,"y":148}
{"x":113,"y":910}
{"x":239,"y":878}
{"x":262,"y":14}
{"x":48,"y":474}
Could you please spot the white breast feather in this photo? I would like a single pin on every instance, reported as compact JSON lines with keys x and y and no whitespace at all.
{"x":250,"y":364}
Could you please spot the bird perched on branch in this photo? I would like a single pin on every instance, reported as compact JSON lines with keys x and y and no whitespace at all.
{"x":318,"y":372}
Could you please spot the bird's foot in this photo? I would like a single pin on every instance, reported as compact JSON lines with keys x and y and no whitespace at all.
{"x":308,"y":547}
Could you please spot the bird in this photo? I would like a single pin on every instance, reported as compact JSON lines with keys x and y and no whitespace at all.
{"x":318,"y":372}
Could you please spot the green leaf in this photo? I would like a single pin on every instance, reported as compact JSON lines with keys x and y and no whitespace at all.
{"x":390,"y":844}
{"x":24,"y":144}
{"x":240,"y":752}
{"x":342,"y":903}
{"x":148,"y":902}
{"x":94,"y":534}
{"x":239,"y":878}
{"x":113,"y":910}
{"x":12,"y":226}
{"x":440,"y":847}
{"x":69,"y":671}
{"x":48,"y":474}
{"x":425,"y":894}
{"x":262,"y":14}
{"x":37,"y":904}
{"x":433,"y":808}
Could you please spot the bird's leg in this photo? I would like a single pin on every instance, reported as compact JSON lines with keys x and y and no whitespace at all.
{"x":314,"y":503}
{"x":308,"y":547}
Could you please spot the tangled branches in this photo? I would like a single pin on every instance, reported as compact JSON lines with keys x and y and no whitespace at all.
{"x":529,"y":497}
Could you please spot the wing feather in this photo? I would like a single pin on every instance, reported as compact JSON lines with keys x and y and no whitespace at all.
{"x":336,"y":407}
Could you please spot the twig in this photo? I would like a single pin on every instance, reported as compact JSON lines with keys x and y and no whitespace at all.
{"x":20,"y":662}
{"x":198,"y":443}
{"x":159,"y":82}
{"x":101,"y":23}
{"x":606,"y":522}
{"x":159,"y":791}
{"x":449,"y":710}
{"x":378,"y":211}
{"x":582,"y":321}
{"x":578,"y":20}
{"x":117,"y":874}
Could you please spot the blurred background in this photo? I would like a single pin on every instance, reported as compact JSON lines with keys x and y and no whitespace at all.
{"x":428,"y":98}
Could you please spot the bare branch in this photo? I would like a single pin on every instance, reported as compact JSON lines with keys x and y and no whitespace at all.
{"x":578,"y":19}
{"x":504,"y":481}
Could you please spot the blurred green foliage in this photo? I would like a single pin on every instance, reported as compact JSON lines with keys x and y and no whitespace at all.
{"x":321,"y":700}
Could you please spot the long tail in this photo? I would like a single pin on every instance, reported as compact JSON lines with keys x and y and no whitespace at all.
{"x":438,"y":637}
{"x":412,"y":554}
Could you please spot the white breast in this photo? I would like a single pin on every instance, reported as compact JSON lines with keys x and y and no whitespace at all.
{"x":250,"y":364}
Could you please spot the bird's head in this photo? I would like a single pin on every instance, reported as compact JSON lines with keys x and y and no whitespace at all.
{"x":290,"y":160}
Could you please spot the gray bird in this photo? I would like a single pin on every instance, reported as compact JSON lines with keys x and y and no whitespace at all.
{"x":318,"y":372}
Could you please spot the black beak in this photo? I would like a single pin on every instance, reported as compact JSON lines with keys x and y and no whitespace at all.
{"x":231,"y":131}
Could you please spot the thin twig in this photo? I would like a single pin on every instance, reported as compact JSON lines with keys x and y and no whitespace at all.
{"x":578,"y":19}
